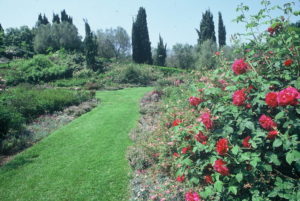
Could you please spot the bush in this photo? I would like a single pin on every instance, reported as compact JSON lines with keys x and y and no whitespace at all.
{"x":36,"y":70}
{"x":205,"y":54}
{"x":24,"y":103}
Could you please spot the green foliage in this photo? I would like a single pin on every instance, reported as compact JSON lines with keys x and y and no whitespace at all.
{"x":65,"y":17}
{"x":42,"y":20}
{"x":90,"y":49}
{"x":18,"y":42}
{"x":24,"y":103}
{"x":221,"y":31}
{"x":161,"y":53}
{"x":53,"y":37}
{"x":206,"y":55}
{"x":141,"y":46}
{"x":113,"y":43}
{"x":182,"y":56}
{"x":207,"y":28}
{"x":1,"y":41}
{"x":36,"y":70}
{"x":55,"y":18}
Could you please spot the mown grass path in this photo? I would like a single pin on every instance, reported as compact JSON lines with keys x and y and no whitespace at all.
{"x":85,"y":160}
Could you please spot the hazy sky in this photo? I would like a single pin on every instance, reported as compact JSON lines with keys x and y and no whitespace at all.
{"x":175,"y":20}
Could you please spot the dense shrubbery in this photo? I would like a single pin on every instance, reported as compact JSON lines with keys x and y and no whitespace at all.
{"x":24,"y":103}
{"x":36,"y":70}
{"x":234,"y":133}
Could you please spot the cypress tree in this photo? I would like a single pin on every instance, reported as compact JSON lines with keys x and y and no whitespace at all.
{"x":45,"y":20}
{"x":161,"y":53}
{"x":55,"y":18}
{"x":207,"y":28}
{"x":221,"y":31}
{"x":1,"y":40}
{"x":141,"y":46}
{"x":40,"y":20}
{"x":90,"y":47}
{"x":65,"y":17}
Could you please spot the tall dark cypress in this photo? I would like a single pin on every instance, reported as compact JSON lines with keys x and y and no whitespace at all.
{"x":64,"y":17}
{"x":45,"y":20}
{"x":1,"y":40}
{"x":141,"y":46}
{"x":90,"y":47}
{"x":40,"y":20}
{"x":55,"y":18}
{"x":221,"y":31}
{"x":161,"y":53}
{"x":207,"y":28}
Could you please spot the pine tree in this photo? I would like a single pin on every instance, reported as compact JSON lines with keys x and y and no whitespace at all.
{"x":221,"y":31}
{"x":90,"y":47}
{"x":141,"y":46}
{"x":161,"y":53}
{"x":207,"y":28}
{"x":40,"y":20}
{"x":55,"y":18}
{"x":65,"y":17}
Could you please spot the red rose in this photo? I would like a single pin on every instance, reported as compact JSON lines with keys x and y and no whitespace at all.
{"x":248,"y":106}
{"x":272,"y":134}
{"x":288,"y":62}
{"x":201,"y":138}
{"x":176,"y":122}
{"x":271,"y":99}
{"x":208,"y":179}
{"x":176,"y":154}
{"x":246,"y":142}
{"x":239,"y":66}
{"x":267,"y":123}
{"x":180,"y":178}
{"x":271,"y":30}
{"x":222,"y":146}
{"x":220,"y":167}
{"x":239,"y":97}
{"x":217,"y":53}
{"x":185,"y":149}
{"x":288,"y":96}
{"x":205,"y":118}
{"x":192,"y":196}
{"x":195,"y":101}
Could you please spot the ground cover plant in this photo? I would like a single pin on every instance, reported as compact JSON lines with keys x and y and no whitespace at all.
{"x":233,"y":133}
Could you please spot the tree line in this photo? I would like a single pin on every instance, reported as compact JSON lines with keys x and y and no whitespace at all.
{"x":60,"y":33}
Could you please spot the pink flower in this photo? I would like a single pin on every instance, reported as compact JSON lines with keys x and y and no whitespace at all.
{"x":272,"y":134}
{"x":184,"y":150}
{"x":267,"y":123}
{"x":205,"y":118}
{"x":192,"y":196}
{"x":217,"y":53}
{"x":271,"y":99}
{"x":239,"y":66}
{"x":288,"y":96}
{"x":220,"y":167}
{"x":176,"y":154}
{"x":239,"y":97}
{"x":246,"y":142}
{"x":195,"y":101}
{"x":222,"y":146}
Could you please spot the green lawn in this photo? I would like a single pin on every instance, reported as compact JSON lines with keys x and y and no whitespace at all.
{"x":84,"y":160}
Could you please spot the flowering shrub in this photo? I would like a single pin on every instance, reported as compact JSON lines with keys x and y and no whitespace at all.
{"x":242,"y":142}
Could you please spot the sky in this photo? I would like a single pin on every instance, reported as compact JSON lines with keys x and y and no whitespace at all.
{"x":174,"y":20}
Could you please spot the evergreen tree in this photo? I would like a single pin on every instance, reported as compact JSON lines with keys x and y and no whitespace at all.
{"x":55,"y":18}
{"x":40,"y":20}
{"x":221,"y":31}
{"x":65,"y":17}
{"x":141,"y":46}
{"x":90,"y":47}
{"x":207,"y":28}
{"x":1,"y":41}
{"x":161,"y":53}
{"x":45,"y":20}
